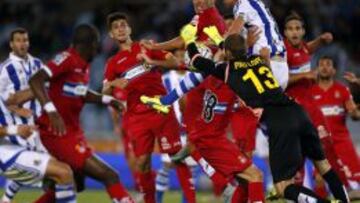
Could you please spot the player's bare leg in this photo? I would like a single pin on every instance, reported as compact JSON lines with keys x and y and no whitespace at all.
{"x":254,"y":178}
{"x":332,"y":179}
{"x":100,"y":171}
{"x":146,"y":177}
{"x":289,"y":190}
{"x":62,"y":174}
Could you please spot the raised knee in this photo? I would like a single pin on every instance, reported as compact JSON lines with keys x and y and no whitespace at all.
{"x":111,"y":176}
{"x":64,"y":174}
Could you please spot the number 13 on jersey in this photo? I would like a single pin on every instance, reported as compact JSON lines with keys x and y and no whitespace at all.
{"x":270,"y":81}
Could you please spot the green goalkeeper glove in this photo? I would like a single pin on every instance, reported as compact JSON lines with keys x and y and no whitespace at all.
{"x":214,"y":34}
{"x":188,"y":34}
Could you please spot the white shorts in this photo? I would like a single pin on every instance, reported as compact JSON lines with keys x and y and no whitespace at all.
{"x":280,"y":71}
{"x":262,"y":145}
{"x":24,"y":166}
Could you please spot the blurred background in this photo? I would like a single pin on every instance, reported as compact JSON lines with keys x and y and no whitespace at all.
{"x":50,"y":23}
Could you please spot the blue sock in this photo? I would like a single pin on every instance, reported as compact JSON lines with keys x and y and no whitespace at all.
{"x":169,"y":98}
{"x":162,"y":183}
{"x":65,"y":193}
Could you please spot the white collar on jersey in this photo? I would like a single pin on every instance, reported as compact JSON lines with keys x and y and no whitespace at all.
{"x":12,"y":56}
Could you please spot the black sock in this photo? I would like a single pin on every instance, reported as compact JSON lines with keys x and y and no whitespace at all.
{"x":301,"y":194}
{"x":337,"y":188}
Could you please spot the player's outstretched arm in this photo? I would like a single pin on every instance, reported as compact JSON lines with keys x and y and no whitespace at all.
{"x":94,"y":97}
{"x":37,"y":85}
{"x":175,"y":43}
{"x":315,"y":44}
{"x":20,"y":97}
{"x":168,"y":62}
{"x":293,"y":78}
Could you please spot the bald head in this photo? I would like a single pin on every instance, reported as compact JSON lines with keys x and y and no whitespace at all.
{"x":235,"y":46}
{"x":85,"y":34}
{"x":86,"y":40}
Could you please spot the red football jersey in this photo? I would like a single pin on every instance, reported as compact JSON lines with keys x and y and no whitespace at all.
{"x":209,"y":17}
{"x":332,"y":104}
{"x":299,"y":61}
{"x":69,"y":78}
{"x":218,"y":102}
{"x":142,"y":80}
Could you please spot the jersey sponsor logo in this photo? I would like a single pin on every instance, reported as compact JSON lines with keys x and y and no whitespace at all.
{"x":334,"y":110}
{"x":59,"y":58}
{"x":135,"y":72}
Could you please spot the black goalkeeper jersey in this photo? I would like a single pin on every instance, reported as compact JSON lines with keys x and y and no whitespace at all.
{"x":251,"y":79}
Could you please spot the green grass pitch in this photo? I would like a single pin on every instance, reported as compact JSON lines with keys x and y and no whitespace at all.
{"x":99,"y":196}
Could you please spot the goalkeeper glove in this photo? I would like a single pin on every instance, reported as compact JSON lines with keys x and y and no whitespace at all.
{"x":214,"y":34}
{"x":188,"y":34}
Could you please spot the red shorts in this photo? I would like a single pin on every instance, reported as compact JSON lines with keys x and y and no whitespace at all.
{"x":222,"y":154}
{"x":128,"y":148}
{"x":144,"y":128}
{"x":243,"y":125}
{"x":71,"y":148}
{"x":346,"y":152}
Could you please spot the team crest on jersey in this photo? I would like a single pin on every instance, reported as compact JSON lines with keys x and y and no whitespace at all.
{"x":59,"y":58}
{"x":337,"y":94}
{"x":165,"y":145}
{"x":317,"y":97}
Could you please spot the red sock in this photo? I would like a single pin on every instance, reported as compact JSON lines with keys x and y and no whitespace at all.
{"x":320,"y":190}
{"x":240,"y":195}
{"x":332,"y":157}
{"x":186,"y":182}
{"x":256,"y":192}
{"x":47,"y":197}
{"x":136,"y":180}
{"x":218,"y":179}
{"x":117,"y":191}
{"x":147,"y":186}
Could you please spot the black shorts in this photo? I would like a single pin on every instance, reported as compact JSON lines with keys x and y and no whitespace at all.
{"x":292,"y":137}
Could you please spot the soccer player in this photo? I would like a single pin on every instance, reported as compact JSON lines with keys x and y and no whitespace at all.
{"x":252,"y":80}
{"x":15,"y":72}
{"x":301,"y":80}
{"x":59,"y":125}
{"x":144,"y":125}
{"x":336,"y":103}
{"x":26,"y":167}
{"x":270,"y":46}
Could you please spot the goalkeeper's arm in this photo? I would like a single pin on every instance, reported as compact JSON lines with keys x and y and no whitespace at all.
{"x":207,"y":66}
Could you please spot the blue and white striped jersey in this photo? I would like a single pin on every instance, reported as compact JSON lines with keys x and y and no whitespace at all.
{"x":254,"y":13}
{"x":15,"y":73}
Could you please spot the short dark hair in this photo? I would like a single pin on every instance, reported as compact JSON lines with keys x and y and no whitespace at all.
{"x":114,"y":17}
{"x":18,"y":30}
{"x":229,"y":16}
{"x":236,"y":44}
{"x":294,"y":16}
{"x":85,"y":34}
{"x":327,"y":57}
